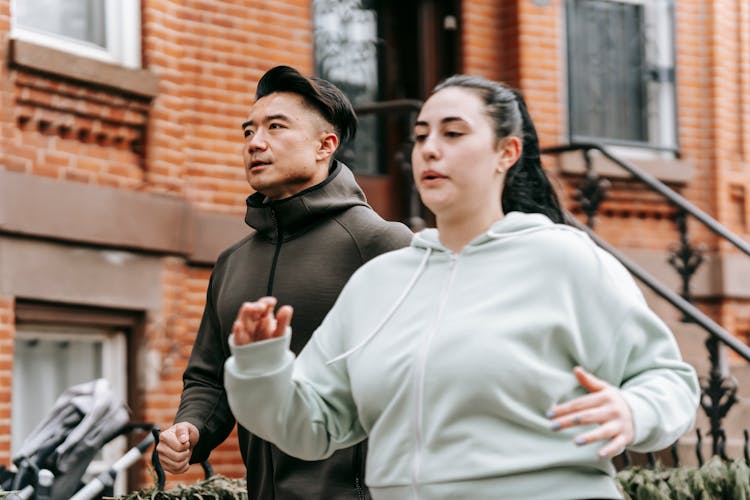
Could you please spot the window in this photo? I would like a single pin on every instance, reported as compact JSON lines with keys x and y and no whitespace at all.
{"x":621,"y":76}
{"x":48,"y":360}
{"x":346,"y":54}
{"x":108,"y":30}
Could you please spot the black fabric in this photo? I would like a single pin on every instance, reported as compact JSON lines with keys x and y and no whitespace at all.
{"x":325,"y":233}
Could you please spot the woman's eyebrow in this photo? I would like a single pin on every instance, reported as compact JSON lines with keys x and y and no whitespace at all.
{"x":447,"y":119}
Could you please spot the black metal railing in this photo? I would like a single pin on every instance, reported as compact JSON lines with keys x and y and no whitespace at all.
{"x":718,"y":390}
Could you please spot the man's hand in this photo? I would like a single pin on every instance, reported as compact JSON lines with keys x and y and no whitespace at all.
{"x":605,"y":406}
{"x":176,"y":445}
{"x":256,"y":321}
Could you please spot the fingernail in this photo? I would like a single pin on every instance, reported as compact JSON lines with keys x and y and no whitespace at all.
{"x":550,"y":414}
{"x":580,"y":441}
{"x":554,"y":426}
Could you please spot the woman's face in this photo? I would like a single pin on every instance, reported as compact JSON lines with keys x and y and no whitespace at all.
{"x":457,"y":161}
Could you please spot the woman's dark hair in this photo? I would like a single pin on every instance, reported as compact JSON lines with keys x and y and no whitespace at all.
{"x":321,"y":94}
{"x":527,"y":187}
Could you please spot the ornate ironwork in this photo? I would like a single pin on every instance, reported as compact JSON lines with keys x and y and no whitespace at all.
{"x":592,"y":191}
{"x":718,"y":395}
{"x":685,"y":257}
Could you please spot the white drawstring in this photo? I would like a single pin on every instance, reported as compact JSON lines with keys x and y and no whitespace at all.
{"x":385,"y":319}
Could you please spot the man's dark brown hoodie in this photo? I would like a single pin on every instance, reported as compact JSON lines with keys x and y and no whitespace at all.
{"x":303,"y":251}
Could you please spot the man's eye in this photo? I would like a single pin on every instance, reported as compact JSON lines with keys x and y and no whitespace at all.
{"x":276,"y":125}
{"x":420,"y":137}
{"x":453,"y":133}
{"x":247,"y":133}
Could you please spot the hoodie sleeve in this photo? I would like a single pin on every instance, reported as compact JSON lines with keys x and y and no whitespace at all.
{"x":204,"y":402}
{"x":643,"y":358}
{"x":304,"y":407}
{"x":661,"y":389}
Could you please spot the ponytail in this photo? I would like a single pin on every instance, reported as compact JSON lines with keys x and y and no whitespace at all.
{"x":527,"y":187}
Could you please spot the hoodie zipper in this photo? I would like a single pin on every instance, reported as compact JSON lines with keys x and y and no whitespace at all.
{"x":419,"y":378}
{"x":272,"y":273}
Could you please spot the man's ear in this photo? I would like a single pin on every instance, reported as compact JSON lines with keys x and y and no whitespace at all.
{"x":329,"y":142}
{"x":510,"y":152}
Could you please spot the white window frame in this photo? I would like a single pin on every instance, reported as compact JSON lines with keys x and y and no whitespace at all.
{"x":114,"y":369}
{"x":663,"y":134}
{"x":122,"y":31}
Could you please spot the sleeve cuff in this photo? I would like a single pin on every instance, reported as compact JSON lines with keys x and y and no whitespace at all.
{"x":644,"y":416}
{"x":260,"y":357}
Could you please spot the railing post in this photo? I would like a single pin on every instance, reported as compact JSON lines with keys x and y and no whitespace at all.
{"x":718,"y":395}
{"x":685,"y":257}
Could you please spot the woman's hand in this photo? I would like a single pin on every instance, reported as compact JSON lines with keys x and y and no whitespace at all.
{"x":604,"y":406}
{"x":256,"y":321}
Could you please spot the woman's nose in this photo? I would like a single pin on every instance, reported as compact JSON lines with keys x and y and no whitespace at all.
{"x":429,"y":148}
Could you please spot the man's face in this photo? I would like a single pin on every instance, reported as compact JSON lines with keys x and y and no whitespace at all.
{"x":287,"y":146}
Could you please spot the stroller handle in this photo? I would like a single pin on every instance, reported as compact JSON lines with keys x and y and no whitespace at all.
{"x":208,"y":471}
{"x":155,"y":462}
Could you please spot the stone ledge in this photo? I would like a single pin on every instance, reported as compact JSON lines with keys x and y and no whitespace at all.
{"x":117,"y":218}
{"x":140,"y":82}
{"x":668,"y":170}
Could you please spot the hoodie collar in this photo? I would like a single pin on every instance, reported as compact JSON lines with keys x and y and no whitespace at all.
{"x":292,"y":216}
{"x":512,"y":224}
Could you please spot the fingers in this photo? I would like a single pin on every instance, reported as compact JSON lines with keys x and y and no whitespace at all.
{"x":589,"y":381}
{"x":577,"y":405}
{"x":283,"y":318}
{"x":256,"y":321}
{"x":175,"y":447}
{"x":594,"y":415}
{"x":614,"y":447}
{"x":606,"y":406}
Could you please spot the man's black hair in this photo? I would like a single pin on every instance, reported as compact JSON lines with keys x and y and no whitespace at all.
{"x":321,"y":94}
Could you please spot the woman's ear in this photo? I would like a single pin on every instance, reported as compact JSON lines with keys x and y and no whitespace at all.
{"x":510,"y":152}
{"x":329,"y":142}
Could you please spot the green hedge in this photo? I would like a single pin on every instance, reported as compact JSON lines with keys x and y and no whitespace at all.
{"x":715,"y":480}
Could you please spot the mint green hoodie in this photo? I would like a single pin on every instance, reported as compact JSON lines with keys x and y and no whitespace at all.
{"x":448,"y":362}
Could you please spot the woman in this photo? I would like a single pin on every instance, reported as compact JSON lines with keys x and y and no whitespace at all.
{"x":502,"y":355}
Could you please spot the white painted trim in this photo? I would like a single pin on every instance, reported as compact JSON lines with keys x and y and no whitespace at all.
{"x":123,"y":34}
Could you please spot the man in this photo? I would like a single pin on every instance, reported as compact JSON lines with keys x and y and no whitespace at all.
{"x":313,"y":229}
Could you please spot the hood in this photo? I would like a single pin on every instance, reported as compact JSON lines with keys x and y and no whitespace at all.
{"x":513,"y":224}
{"x":291,"y":216}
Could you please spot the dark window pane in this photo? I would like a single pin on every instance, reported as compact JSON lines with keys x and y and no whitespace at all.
{"x":606,"y":57}
{"x":346,"y":54}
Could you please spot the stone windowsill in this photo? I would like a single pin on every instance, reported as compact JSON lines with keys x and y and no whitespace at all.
{"x":140,"y":82}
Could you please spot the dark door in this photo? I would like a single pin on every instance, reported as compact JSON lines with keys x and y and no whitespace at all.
{"x":379,"y":52}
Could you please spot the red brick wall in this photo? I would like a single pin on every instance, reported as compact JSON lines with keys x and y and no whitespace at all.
{"x":7,"y":321}
{"x":185,"y":143}
{"x":490,"y":40}
{"x":208,"y":56}
{"x":7,"y":329}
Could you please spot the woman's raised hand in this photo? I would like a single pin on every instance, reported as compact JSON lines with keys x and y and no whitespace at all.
{"x":256,"y":321}
{"x":604,"y":405}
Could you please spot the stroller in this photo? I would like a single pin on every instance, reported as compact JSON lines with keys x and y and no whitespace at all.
{"x":52,"y":461}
